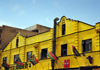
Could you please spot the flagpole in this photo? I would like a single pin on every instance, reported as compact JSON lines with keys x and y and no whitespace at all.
{"x":76,"y":53}
{"x":61,"y":62}
{"x":84,"y":60}
{"x":77,"y":60}
{"x":41,"y":65}
{"x":27,"y":68}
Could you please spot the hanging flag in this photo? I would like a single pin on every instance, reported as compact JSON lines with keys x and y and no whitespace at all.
{"x":90,"y":59}
{"x":33,"y":60}
{"x":5,"y":65}
{"x":75,"y":51}
{"x":66,"y":63}
{"x":52,"y":56}
{"x":19,"y":63}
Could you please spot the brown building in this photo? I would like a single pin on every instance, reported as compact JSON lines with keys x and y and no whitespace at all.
{"x":7,"y":33}
{"x":38,"y":28}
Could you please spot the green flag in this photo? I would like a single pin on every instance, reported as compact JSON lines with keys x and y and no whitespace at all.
{"x":52,"y":56}
{"x":33,"y":60}
{"x":75,"y":51}
{"x":5,"y":65}
{"x":19,"y":63}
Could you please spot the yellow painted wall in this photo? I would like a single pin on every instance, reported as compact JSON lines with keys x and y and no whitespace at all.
{"x":75,"y":32}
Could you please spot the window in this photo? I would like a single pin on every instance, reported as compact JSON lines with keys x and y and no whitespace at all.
{"x":35,"y":30}
{"x":0,"y":30}
{"x":17,"y":40}
{"x":0,"y":41}
{"x":87,"y":45}
{"x":0,"y":34}
{"x":63,"y":29}
{"x":44,"y":54}
{"x":4,"y":59}
{"x":29,"y":54}
{"x":64,"y":50}
{"x":16,"y":57}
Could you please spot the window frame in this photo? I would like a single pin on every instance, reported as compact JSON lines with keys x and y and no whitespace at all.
{"x":62,"y":49}
{"x":17,"y":42}
{"x":4,"y":59}
{"x":84,"y":48}
{"x":42,"y":56}
{"x":63,"y":29}
{"x":27,"y":55}
{"x":15,"y":56}
{"x":0,"y":41}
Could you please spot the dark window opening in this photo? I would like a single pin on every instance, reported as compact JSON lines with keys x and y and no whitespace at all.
{"x":16,"y":57}
{"x":64,"y":50}
{"x":0,"y":30}
{"x":35,"y":31}
{"x":4,"y":60}
{"x":44,"y":53}
{"x":0,"y":41}
{"x":29,"y":54}
{"x":63,"y":29}
{"x":87,"y":45}
{"x":0,"y":34}
{"x":17,"y":42}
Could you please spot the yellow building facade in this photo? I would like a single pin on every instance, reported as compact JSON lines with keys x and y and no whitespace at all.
{"x":69,"y":32}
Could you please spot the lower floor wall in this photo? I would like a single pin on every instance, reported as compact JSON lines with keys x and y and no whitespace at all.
{"x":63,"y":62}
{"x":42,"y":65}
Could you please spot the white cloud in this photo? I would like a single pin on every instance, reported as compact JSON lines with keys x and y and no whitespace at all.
{"x":47,"y":20}
{"x":4,"y":23}
{"x":22,"y":12}
{"x":16,"y":7}
{"x":10,"y":24}
{"x":33,"y":1}
{"x":55,"y":3}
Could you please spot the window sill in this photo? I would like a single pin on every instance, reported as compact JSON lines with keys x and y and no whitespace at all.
{"x":44,"y":59}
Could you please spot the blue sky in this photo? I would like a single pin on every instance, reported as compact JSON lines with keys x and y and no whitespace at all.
{"x":25,"y":13}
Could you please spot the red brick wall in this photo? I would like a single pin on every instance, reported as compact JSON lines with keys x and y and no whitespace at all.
{"x":8,"y":33}
{"x":42,"y":28}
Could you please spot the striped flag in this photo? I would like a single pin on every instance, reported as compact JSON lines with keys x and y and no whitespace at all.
{"x":75,"y":51}
{"x":52,"y":56}
{"x":33,"y":60}
{"x":19,"y":63}
{"x":6,"y":66}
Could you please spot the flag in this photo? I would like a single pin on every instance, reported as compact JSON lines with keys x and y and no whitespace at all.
{"x":6,"y":66}
{"x":52,"y":56}
{"x":66,"y":63}
{"x":33,"y":60}
{"x":90,"y":59}
{"x":19,"y":63}
{"x":75,"y":51}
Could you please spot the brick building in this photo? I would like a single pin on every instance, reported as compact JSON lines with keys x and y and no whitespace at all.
{"x":77,"y":46}
{"x":7,"y":33}
{"x":38,"y":28}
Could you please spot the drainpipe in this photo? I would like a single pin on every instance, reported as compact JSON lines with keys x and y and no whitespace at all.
{"x":54,"y":40}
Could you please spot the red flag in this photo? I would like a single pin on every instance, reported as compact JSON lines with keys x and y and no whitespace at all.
{"x":66,"y":63}
{"x":8,"y":65}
